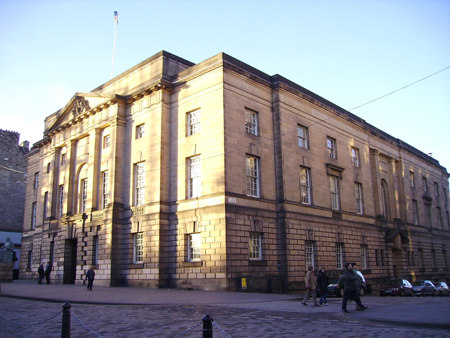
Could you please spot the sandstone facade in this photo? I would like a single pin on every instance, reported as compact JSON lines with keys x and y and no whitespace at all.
{"x":184,"y":175}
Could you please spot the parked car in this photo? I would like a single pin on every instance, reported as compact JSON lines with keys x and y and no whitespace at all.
{"x":442,"y":289}
{"x":424,"y":288}
{"x":397,"y":287}
{"x":334,"y":289}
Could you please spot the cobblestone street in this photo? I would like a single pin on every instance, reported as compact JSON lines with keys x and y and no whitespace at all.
{"x":245,"y":320}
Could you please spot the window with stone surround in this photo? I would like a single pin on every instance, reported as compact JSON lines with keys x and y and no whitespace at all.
{"x":61,"y":201}
{"x":140,"y":131}
{"x":138,"y":247}
{"x":364,"y":250}
{"x":425,"y":184}
{"x":436,"y":189}
{"x":105,"y":188}
{"x":252,"y":170}
{"x":421,"y":259}
{"x":305,"y":185}
{"x":310,"y":253}
{"x":339,"y":250}
{"x":358,"y":196}
{"x":36,"y":181}
{"x":106,"y":141}
{"x":63,"y":159}
{"x":251,"y":122}
{"x":428,"y":214}
{"x":94,"y":250}
{"x":33,"y":215}
{"x":355,"y":157}
{"x":194,"y":245}
{"x":30,"y":258}
{"x":334,"y":190}
{"x":139,"y":183}
{"x":84,"y":195}
{"x":44,"y":216}
{"x":412,"y":181}
{"x":255,"y":240}
{"x":302,"y":135}
{"x":439,"y":217}
{"x":415,"y":212}
{"x":445,"y":259}
{"x":194,"y":177}
{"x":384,"y":198}
{"x":194,"y":122}
{"x":331,"y":146}
{"x":433,"y":259}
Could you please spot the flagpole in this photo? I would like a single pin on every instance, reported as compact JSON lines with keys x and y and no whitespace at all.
{"x":116,"y":20}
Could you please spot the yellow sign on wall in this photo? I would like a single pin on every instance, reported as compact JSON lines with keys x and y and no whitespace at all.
{"x":244,"y":283}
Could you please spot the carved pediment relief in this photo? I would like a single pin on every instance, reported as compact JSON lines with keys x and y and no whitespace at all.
{"x":79,"y":107}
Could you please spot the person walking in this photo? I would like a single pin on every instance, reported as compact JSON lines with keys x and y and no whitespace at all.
{"x":48,"y":271}
{"x":310,"y":281}
{"x":41,"y":272}
{"x":90,"y":275}
{"x":322,"y":282}
{"x":352,"y":286}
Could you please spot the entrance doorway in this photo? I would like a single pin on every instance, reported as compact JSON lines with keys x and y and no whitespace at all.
{"x":70,"y":261}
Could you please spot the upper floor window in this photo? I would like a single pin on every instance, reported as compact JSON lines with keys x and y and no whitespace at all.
{"x":44,"y":216}
{"x":194,"y":177}
{"x":61,"y":201}
{"x":107,"y":141}
{"x":436,"y":189}
{"x":33,"y":215}
{"x":302,"y":135}
{"x":428,"y":214}
{"x":355,"y":157}
{"x":48,"y":167}
{"x":84,"y":194}
{"x":415,"y":212}
{"x":334,"y":189}
{"x":305,"y":185}
{"x":358,"y":195}
{"x":105,"y":188}
{"x":425,"y":184}
{"x":139,"y":183}
{"x":63,"y":159}
{"x":36,"y":181}
{"x":252,"y":169}
{"x":331,"y":145}
{"x":412,"y":179}
{"x":194,"y":245}
{"x":439,"y":218}
{"x":140,"y":130}
{"x":255,"y":246}
{"x":194,"y":122}
{"x":251,"y":122}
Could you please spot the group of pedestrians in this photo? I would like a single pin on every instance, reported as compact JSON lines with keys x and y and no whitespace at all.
{"x":45,"y":270}
{"x":350,"y":281}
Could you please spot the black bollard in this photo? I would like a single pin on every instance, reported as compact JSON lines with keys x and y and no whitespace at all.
{"x":65,"y":330}
{"x":207,"y":326}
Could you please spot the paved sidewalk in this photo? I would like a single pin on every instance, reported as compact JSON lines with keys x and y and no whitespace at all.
{"x":425,"y":312}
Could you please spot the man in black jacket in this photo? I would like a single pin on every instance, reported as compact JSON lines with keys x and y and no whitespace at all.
{"x":352,"y":285}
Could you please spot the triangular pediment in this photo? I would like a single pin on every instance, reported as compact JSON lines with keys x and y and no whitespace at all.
{"x":79,"y":104}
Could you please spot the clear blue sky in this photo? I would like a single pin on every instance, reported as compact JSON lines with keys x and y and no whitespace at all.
{"x":349,"y":52}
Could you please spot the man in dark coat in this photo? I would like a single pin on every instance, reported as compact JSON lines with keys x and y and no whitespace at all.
{"x":352,"y":286}
{"x":322,"y":282}
{"x":90,"y":275}
{"x":48,"y":271}
{"x":41,"y":272}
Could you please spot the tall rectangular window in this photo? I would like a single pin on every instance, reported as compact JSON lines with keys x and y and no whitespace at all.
{"x":95,"y":250}
{"x":84,"y":194}
{"x":428,"y":214}
{"x":63,"y":159}
{"x":302,"y":135}
{"x":30,"y":259}
{"x":36,"y":181}
{"x":436,"y":189}
{"x":415,"y":212}
{"x":377,"y":259}
{"x":355,"y":157}
{"x":139,"y":183}
{"x":305,"y":185}
{"x":334,"y":189}
{"x":358,"y":196}
{"x":45,"y":206}
{"x":138,"y":245}
{"x":255,"y":246}
{"x":194,"y":122}
{"x":425,"y":184}
{"x":105,"y":188}
{"x":420,"y":258}
{"x":339,"y":250}
{"x":106,"y":141}
{"x":364,"y":256}
{"x":433,"y":258}
{"x":439,"y":218}
{"x":51,"y":256}
{"x":412,"y":179}
{"x":444,"y":257}
{"x":331,"y":145}
{"x":33,"y":215}
{"x":194,"y":177}
{"x":310,"y":252}
{"x":140,"y":131}
{"x":251,"y":122}
{"x":252,"y":169}
{"x":61,"y":201}
{"x":194,"y":244}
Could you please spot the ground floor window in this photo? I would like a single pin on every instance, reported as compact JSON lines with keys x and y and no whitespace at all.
{"x":194,"y":244}
{"x":138,"y":244}
{"x":255,"y":246}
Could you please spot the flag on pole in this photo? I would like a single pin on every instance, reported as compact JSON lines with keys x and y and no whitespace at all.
{"x":116,"y":17}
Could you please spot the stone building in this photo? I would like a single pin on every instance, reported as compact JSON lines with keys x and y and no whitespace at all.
{"x":183,"y":175}
{"x":13,"y":178}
